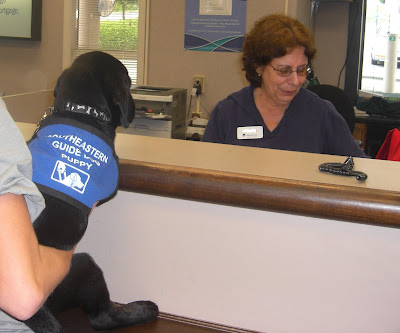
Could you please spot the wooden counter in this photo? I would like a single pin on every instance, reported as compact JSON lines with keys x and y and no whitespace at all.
{"x":266,"y":179}
{"x":288,"y":265}
{"x":348,"y":203}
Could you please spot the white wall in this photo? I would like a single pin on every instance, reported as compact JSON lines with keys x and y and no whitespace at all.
{"x":33,"y":66}
{"x":252,"y":269}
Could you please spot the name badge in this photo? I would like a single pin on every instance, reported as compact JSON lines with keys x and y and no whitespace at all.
{"x":250,"y":132}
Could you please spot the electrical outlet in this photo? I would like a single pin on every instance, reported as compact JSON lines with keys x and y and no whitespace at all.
{"x":200,"y":80}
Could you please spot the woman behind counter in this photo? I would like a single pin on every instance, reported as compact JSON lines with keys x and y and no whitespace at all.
{"x":275,"y":111}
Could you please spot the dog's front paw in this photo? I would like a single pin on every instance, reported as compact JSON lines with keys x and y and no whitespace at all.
{"x":118,"y":315}
{"x":43,"y":321}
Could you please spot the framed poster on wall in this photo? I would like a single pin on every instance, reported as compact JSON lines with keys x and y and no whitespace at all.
{"x":21,"y":19}
{"x":215,"y":25}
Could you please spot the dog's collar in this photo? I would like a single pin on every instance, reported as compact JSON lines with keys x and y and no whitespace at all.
{"x":78,"y":108}
{"x":84,"y":109}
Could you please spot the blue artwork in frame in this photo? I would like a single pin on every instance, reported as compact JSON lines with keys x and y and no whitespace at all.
{"x":215,"y":25}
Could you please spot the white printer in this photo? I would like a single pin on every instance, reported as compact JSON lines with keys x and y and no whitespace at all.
{"x":160,"y":112}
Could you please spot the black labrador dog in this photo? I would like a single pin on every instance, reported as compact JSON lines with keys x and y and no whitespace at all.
{"x":76,"y":168}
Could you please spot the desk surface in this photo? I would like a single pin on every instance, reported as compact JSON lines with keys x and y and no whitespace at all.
{"x":378,"y":120}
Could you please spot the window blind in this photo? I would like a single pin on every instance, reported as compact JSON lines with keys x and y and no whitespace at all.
{"x":116,"y":34}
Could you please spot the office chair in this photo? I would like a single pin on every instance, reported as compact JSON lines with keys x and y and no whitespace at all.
{"x":339,"y":99}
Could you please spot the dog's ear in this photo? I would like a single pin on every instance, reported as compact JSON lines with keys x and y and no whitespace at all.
{"x":122,"y":99}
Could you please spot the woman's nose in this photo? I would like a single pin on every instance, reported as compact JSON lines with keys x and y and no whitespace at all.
{"x":294,"y":78}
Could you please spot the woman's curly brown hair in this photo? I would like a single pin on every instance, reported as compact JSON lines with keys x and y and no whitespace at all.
{"x":273,"y":36}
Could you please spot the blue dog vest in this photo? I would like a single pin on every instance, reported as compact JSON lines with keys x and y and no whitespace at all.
{"x":74,"y":164}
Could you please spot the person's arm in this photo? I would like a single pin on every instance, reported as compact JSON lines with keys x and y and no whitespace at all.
{"x":29,"y":272}
{"x":341,"y":140}
{"x":213,"y":130}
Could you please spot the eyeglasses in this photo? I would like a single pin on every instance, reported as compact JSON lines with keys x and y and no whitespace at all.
{"x":287,"y":71}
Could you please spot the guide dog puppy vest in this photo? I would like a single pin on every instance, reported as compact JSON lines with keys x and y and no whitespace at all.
{"x":74,"y":164}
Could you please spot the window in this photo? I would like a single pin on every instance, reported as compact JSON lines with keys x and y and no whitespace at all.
{"x":373,"y":24}
{"x":381,"y":30}
{"x":116,"y":27}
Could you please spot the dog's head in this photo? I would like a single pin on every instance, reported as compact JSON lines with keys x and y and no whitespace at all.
{"x":98,"y":80}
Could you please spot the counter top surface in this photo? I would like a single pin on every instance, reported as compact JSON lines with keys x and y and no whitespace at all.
{"x":255,"y":161}
{"x":266,"y":179}
{"x":249,"y":161}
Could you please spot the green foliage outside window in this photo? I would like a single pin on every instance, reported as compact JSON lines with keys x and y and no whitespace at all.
{"x":119,"y":35}
{"x":122,"y":5}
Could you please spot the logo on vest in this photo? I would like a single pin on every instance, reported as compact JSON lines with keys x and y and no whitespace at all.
{"x":70,"y":176}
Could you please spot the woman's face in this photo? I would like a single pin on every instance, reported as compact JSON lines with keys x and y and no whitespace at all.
{"x":278,"y":89}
